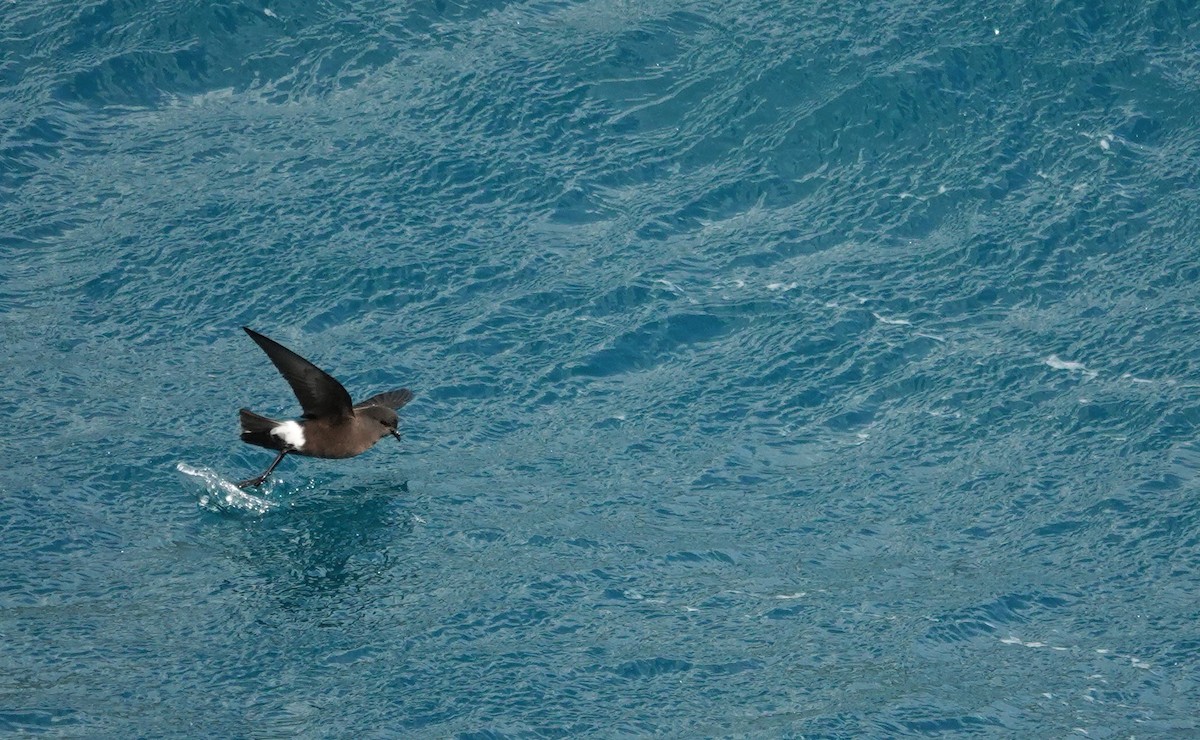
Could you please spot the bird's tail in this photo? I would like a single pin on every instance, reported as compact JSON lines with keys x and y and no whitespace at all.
{"x":256,"y":430}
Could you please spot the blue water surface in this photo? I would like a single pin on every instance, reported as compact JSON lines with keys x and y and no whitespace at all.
{"x":809,"y":369}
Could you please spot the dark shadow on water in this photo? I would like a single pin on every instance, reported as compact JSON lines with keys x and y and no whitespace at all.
{"x":316,"y":548}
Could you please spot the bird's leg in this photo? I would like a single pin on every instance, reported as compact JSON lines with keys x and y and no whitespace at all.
{"x":256,"y":482}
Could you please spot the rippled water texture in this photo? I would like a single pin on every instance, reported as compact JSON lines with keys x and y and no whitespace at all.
{"x":781,"y":368}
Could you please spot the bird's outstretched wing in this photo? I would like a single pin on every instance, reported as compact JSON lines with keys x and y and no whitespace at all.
{"x":392,"y":399}
{"x":320,"y":395}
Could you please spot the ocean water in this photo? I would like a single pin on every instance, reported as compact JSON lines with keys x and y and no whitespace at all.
{"x":805,"y":369}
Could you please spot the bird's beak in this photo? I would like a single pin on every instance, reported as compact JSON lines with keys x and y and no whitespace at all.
{"x":397,"y":435}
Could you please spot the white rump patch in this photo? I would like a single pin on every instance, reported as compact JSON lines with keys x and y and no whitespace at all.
{"x":290,"y":432}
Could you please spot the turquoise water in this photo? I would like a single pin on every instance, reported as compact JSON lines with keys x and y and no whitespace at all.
{"x":781,"y":369}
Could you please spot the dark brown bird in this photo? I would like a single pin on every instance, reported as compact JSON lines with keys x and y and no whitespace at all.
{"x":332,"y":426}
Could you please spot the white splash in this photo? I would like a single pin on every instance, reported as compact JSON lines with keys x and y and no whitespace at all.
{"x":221,"y":495}
{"x":290,"y":432}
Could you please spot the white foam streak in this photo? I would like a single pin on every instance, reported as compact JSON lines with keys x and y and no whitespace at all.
{"x":1060,"y":364}
{"x":892,"y":322}
{"x":1133,"y":660}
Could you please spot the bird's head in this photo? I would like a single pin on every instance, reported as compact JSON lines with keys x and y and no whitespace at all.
{"x":387,"y":419}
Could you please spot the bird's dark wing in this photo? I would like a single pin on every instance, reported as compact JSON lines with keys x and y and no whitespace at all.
{"x":392,"y":399}
{"x":318,"y":392}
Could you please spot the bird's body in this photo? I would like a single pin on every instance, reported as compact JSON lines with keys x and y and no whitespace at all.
{"x":331,"y":427}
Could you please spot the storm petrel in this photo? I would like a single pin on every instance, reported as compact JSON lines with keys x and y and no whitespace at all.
{"x":332,"y":426}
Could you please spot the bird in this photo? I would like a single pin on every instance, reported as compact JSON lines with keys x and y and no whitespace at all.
{"x":331,"y":426}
